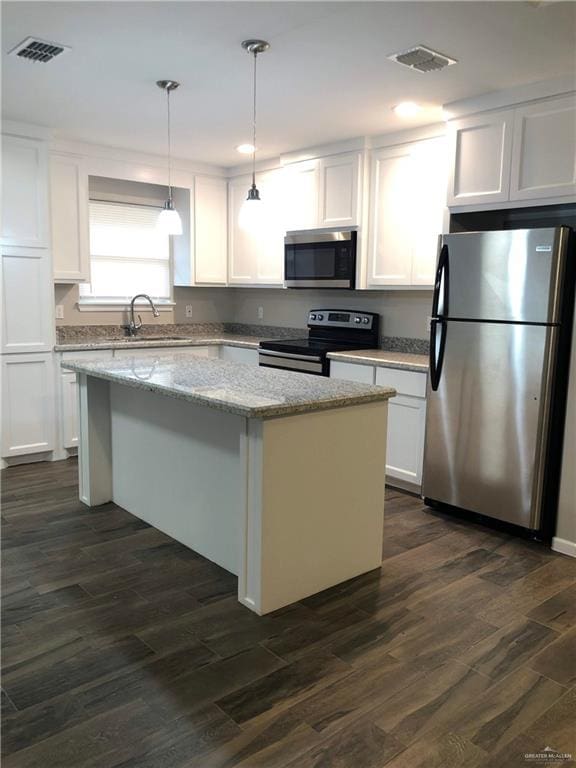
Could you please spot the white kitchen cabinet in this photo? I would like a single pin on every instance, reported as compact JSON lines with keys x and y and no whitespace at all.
{"x":69,"y":218}
{"x":364,"y":374}
{"x":544,"y":150}
{"x":481,"y":153}
{"x":407,"y":203}
{"x":324,"y":192}
{"x":239,"y":354}
{"x":257,"y":257}
{"x":339,"y":199}
{"x":25,"y":198}
{"x":27,"y":300}
{"x":406,"y":417}
{"x":27,"y":404}
{"x":301,"y":190}
{"x":210,"y":231}
{"x":406,"y":424}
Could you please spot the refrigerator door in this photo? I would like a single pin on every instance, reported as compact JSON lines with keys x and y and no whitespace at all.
{"x":509,"y":276}
{"x":486,"y":423}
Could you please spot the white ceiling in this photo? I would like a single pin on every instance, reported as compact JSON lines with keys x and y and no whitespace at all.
{"x":326,"y":77}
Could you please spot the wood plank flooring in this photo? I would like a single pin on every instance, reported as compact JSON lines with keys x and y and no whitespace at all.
{"x":123,"y":649}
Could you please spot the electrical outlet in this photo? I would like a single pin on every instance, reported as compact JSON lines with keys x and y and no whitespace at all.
{"x":59,"y":311}
{"x":260,"y":313}
{"x":188,"y":310}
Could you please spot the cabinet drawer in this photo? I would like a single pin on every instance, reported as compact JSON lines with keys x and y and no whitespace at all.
{"x":352,"y":372}
{"x":239,"y":355}
{"x":404,"y":382}
{"x":97,"y":354}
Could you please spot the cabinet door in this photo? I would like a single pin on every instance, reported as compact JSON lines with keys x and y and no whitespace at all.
{"x":301,"y":181}
{"x":406,"y":424}
{"x":544,"y":150}
{"x":352,"y":372}
{"x":27,"y":299}
{"x":25,"y":198}
{"x":69,"y":218}
{"x":391,"y":217}
{"x":338,"y":192}
{"x":257,"y":257}
{"x":69,"y":409}
{"x":430,"y":170}
{"x":481,"y":155}
{"x":211,"y":242}
{"x":239,"y":355}
{"x":27,"y":404}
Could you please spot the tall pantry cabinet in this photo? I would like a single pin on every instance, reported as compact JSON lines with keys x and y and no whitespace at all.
{"x":27,"y":330}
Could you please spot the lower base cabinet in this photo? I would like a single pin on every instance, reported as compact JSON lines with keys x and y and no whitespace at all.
{"x":239,"y":355}
{"x":28,"y":424}
{"x":406,"y":418}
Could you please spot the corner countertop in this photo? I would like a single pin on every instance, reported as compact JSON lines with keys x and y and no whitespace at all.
{"x":197,"y":340}
{"x":380,"y":357}
{"x":237,"y":388}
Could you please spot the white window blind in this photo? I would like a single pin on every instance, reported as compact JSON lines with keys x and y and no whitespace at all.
{"x":128,"y":254}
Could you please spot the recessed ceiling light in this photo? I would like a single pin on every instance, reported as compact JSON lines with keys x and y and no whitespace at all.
{"x":407,"y":109}
{"x":245,"y":149}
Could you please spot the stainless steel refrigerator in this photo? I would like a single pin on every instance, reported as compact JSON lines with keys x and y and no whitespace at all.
{"x":498,"y":370}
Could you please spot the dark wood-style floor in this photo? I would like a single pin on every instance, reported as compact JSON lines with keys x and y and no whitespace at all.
{"x":124,"y":649}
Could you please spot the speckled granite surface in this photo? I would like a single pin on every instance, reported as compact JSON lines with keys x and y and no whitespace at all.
{"x":380,"y":357}
{"x":244,"y":390}
{"x":405,"y":345}
{"x":197,"y":340}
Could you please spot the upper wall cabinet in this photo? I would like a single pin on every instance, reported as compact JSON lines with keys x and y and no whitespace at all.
{"x":544,"y":150}
{"x":526,"y":153}
{"x":210,"y":231}
{"x":69,"y":218}
{"x":256,"y":256}
{"x":407,"y":203}
{"x":323,"y":192}
{"x":25,"y":198}
{"x":481,"y":152}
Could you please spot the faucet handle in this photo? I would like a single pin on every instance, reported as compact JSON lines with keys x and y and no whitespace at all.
{"x":139,"y":323}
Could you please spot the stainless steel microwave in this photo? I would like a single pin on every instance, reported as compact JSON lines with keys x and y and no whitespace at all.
{"x":320,"y":259}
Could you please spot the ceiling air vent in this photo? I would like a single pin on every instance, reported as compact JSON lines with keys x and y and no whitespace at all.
{"x":422,"y":59}
{"x":35,"y":49}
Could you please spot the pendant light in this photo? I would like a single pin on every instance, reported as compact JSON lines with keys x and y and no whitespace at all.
{"x":251,"y":213}
{"x":169,"y":220}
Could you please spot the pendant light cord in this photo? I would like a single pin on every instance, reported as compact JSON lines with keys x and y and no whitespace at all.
{"x":169,"y":147}
{"x":254,"y":126}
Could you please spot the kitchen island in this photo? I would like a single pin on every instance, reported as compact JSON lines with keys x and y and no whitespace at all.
{"x":276,"y":476}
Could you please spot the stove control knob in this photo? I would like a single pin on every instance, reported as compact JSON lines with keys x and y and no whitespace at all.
{"x":312,"y":317}
{"x":357,"y":319}
{"x":320,"y":317}
{"x":365,"y":320}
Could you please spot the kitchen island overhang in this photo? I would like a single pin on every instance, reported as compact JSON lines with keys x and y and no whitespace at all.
{"x":276,"y":476}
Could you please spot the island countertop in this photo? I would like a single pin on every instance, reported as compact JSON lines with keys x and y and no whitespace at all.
{"x":237,"y":388}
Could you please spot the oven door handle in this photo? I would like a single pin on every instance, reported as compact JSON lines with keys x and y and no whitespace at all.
{"x":290,"y":355}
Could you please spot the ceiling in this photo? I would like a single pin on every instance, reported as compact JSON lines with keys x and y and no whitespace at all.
{"x":326,"y":77}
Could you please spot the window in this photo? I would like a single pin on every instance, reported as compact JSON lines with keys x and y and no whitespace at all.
{"x":128,"y":254}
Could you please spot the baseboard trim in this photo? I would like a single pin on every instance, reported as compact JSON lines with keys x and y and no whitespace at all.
{"x":564,"y":546}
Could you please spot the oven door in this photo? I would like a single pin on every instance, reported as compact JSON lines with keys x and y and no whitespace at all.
{"x":320,"y":260}
{"x":290,"y":361}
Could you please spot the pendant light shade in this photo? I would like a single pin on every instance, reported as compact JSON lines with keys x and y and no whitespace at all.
{"x":252,"y":213}
{"x":169,"y":220}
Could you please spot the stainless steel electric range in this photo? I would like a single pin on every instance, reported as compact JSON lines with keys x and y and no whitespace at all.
{"x":329,"y":330}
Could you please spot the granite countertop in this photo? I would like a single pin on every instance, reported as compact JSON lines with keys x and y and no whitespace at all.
{"x":380,"y":357}
{"x":237,"y":388}
{"x":196,"y":340}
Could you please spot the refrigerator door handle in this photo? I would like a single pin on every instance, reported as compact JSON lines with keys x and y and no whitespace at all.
{"x":441,"y":284}
{"x":437,"y":351}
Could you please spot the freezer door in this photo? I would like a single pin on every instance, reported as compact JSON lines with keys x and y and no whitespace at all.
{"x":510,"y":275}
{"x":486,"y":422}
